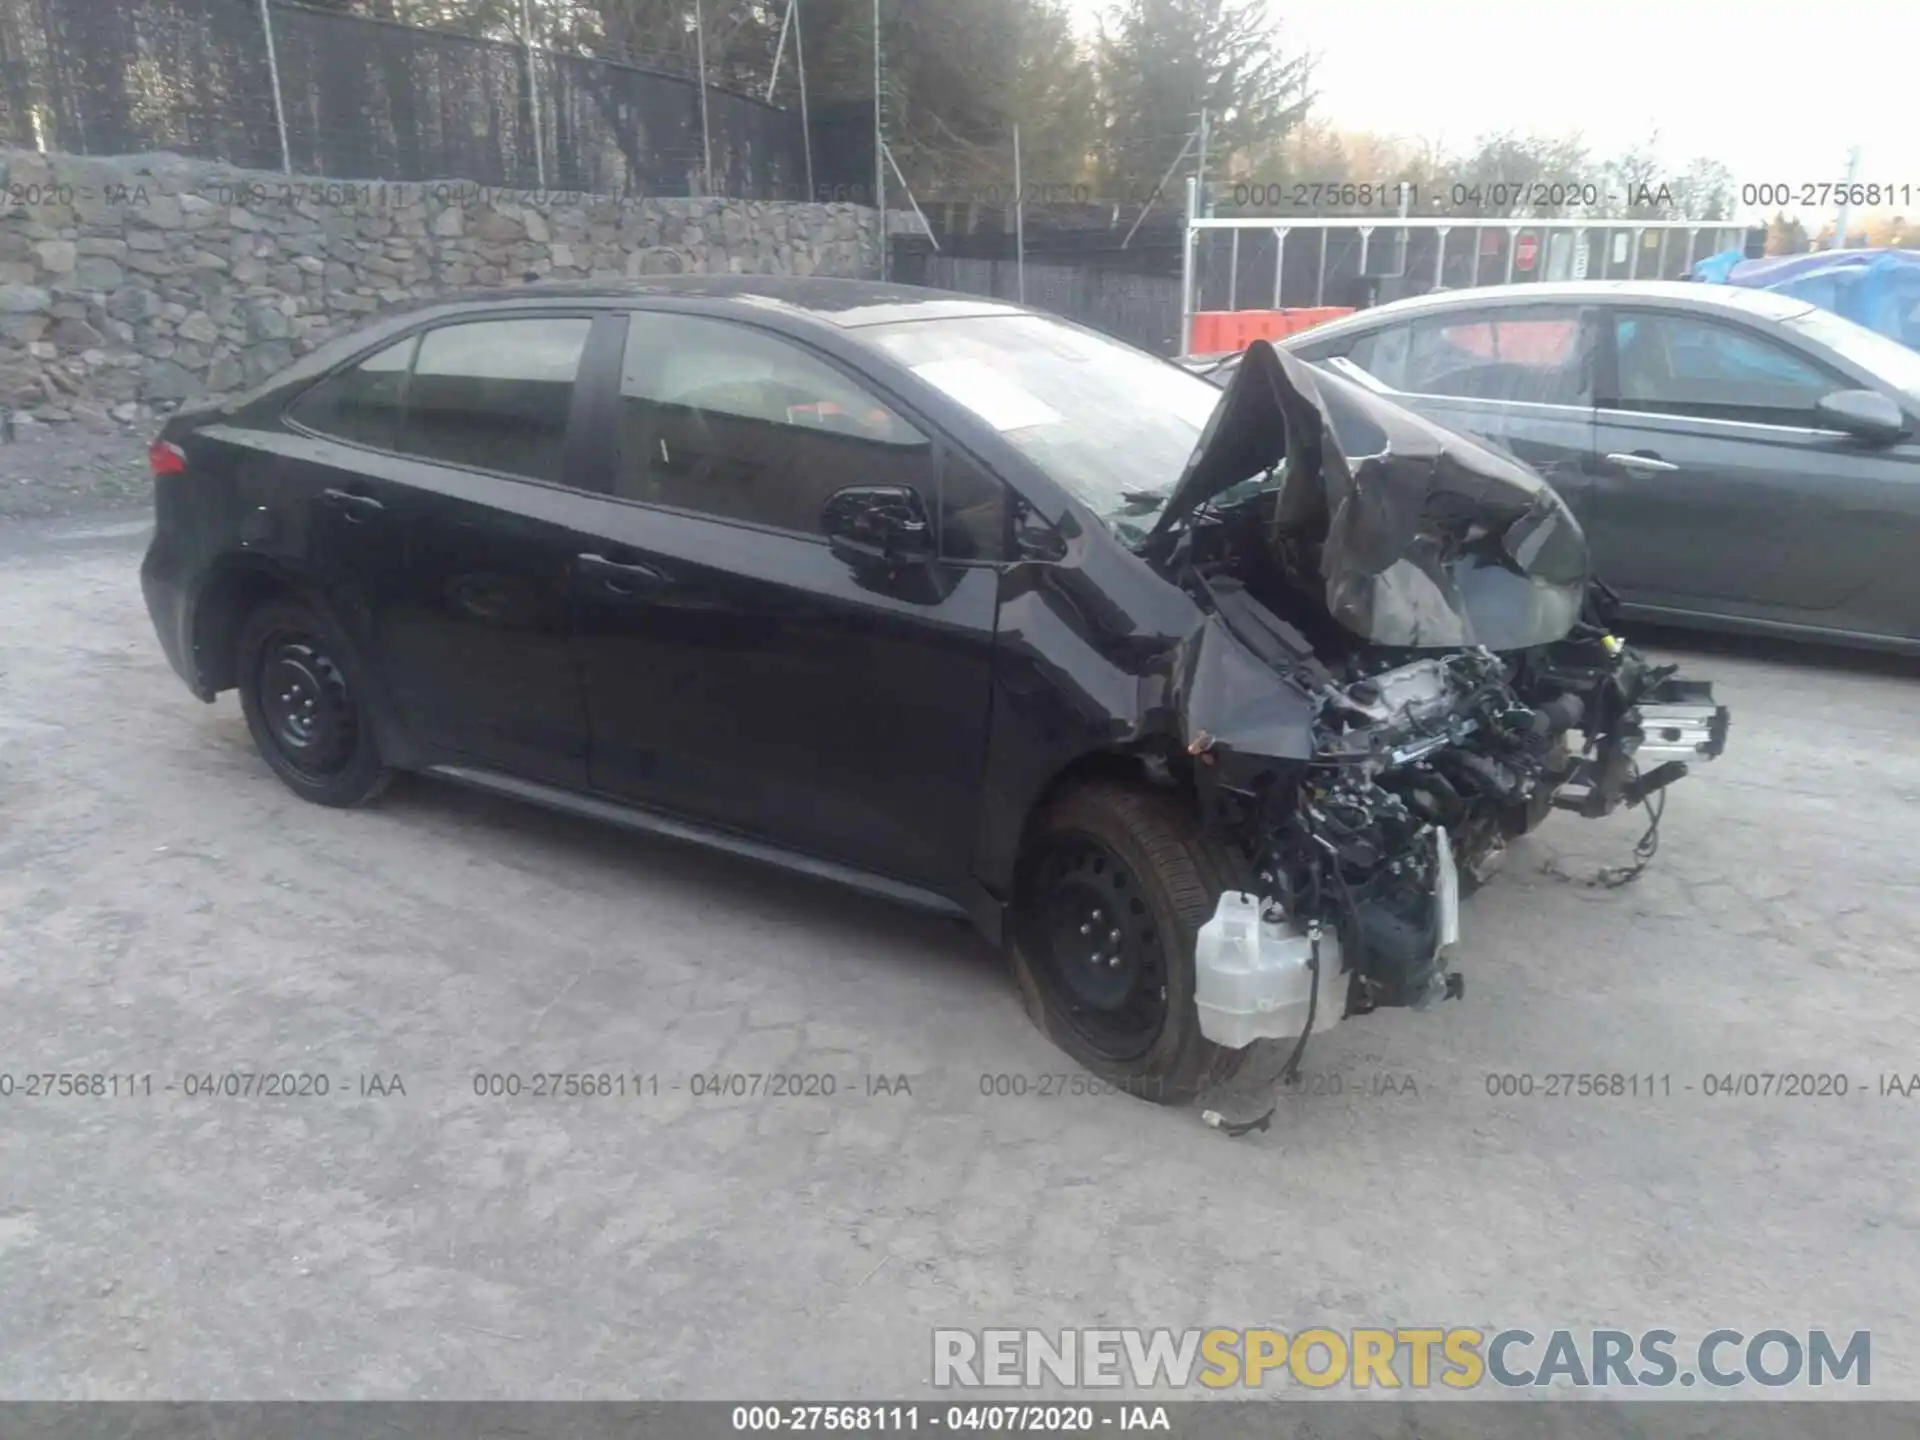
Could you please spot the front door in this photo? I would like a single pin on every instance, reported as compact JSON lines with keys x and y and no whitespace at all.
{"x":1718,"y":490}
{"x":737,"y":670}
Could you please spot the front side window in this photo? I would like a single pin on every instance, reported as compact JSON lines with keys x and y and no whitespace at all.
{"x":488,"y":394}
{"x":1685,"y":365}
{"x":725,"y":420}
{"x":1541,"y":355}
{"x":975,"y":516}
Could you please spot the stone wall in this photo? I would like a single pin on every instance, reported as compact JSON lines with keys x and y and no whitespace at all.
{"x":132,"y":283}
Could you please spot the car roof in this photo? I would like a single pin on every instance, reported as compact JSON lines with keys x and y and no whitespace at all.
{"x":847,"y":303}
{"x":803,"y":300}
{"x":1761,"y":304}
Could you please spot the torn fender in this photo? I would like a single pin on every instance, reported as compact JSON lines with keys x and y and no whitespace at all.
{"x":1230,"y":700}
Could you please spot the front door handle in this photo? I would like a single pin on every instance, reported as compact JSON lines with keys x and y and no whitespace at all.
{"x":354,"y":507}
{"x":1642,"y":460}
{"x":620,"y":576}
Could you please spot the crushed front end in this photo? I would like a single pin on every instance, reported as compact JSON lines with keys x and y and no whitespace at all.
{"x":1405,"y":665}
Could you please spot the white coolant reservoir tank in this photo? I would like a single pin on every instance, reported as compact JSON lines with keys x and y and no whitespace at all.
{"x":1253,"y":978}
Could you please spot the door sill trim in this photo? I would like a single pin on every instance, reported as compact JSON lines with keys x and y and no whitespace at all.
{"x":653,"y":822}
{"x":1769,"y":629}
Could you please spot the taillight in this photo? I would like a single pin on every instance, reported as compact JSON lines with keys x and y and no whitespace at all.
{"x":166,"y":458}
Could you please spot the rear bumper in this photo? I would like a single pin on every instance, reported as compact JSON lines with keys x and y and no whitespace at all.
{"x":170,"y":605}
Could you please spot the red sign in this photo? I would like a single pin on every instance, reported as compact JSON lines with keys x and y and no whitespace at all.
{"x":1525,"y":250}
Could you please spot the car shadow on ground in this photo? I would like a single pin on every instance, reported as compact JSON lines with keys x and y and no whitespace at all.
{"x":601,"y":854}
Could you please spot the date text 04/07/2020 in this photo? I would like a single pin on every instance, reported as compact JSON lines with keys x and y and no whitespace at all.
{"x":197,"y":1085}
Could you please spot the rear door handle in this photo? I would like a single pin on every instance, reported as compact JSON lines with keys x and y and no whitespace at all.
{"x":355,"y":507}
{"x":619,"y":576}
{"x":1641,"y":461}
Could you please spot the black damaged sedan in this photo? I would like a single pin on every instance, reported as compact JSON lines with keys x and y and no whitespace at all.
{"x":1206,"y":706}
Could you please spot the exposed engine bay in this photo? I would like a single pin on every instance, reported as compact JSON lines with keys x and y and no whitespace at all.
{"x":1447,"y":676}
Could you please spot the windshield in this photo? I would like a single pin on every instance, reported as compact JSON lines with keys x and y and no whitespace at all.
{"x":1112,"y":424}
{"x":1891,"y":361}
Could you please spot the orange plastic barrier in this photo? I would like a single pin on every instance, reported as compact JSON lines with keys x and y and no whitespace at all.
{"x":1319,"y":315}
{"x":1208,"y":336}
{"x":1531,"y":342}
{"x":1218,"y":332}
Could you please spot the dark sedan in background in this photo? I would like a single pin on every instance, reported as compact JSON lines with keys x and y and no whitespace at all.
{"x":1739,"y":459}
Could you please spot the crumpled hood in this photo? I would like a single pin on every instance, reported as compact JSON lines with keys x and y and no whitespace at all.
{"x":1424,"y":538}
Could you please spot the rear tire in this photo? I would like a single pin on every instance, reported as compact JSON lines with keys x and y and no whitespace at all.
{"x":1115,"y":882}
{"x":305,"y":705}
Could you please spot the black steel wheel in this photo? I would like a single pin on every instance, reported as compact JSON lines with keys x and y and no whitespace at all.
{"x":303,"y":708}
{"x":306,"y":703}
{"x":1096,"y":947}
{"x":1115,"y":882}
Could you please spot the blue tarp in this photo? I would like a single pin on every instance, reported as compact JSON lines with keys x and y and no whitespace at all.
{"x":1879,"y":289}
{"x":1715,"y":268}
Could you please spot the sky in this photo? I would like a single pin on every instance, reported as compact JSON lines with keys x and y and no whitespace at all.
{"x":1778,"y":94}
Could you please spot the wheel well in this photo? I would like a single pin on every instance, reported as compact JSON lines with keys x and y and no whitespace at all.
{"x":233,"y":594}
{"x":1158,"y":767}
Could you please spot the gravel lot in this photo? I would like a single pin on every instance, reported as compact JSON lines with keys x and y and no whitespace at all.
{"x":166,"y":908}
{"x":53,"y":470}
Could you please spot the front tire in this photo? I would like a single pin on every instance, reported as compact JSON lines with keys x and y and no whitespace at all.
{"x":305,"y":705}
{"x":1115,"y":882}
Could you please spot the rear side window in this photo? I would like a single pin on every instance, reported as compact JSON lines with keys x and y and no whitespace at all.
{"x":1543,"y":355}
{"x":725,"y":420}
{"x":494,"y":394}
{"x":363,"y":404}
{"x":487,"y":394}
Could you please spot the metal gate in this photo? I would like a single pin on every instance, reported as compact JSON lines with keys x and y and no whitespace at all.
{"x":1246,"y":262}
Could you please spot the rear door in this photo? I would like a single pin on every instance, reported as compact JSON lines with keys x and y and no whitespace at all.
{"x":326,"y":493}
{"x":465,"y":496}
{"x":1719,"y":490}
{"x":1517,"y":377}
{"x":737,"y":671}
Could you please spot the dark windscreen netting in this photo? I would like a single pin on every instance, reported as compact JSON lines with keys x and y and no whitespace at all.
{"x":118,"y":77}
{"x":613,"y":128}
{"x":370,"y":99}
{"x":757,"y":150}
{"x":367,"y":100}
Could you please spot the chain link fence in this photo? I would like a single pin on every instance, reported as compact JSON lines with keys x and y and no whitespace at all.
{"x":364,"y":99}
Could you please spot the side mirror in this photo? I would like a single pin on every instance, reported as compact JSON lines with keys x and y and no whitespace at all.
{"x":877,"y":526}
{"x":1865,"y":414}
